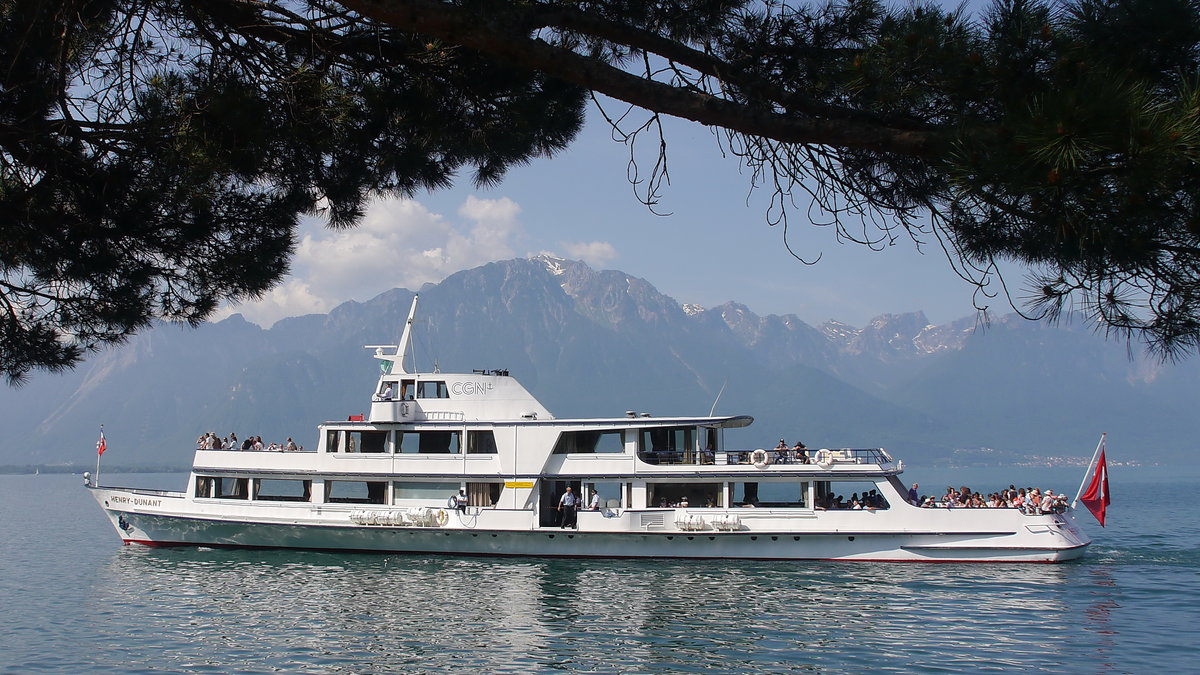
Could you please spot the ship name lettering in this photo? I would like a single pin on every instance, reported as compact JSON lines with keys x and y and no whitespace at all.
{"x":470,"y":388}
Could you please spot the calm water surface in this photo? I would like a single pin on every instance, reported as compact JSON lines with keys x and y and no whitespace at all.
{"x":75,"y":600}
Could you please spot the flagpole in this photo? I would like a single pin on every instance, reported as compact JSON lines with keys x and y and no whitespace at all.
{"x":99,"y":454}
{"x":1088,"y":470}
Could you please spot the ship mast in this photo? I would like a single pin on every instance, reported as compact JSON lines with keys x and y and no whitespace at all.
{"x":395,"y":361}
{"x":405,"y":345}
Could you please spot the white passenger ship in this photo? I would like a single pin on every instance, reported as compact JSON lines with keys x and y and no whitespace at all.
{"x":663,"y":487}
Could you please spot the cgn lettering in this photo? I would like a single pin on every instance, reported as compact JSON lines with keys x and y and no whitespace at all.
{"x":470,"y":388}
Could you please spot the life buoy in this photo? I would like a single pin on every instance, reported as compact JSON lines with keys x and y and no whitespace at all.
{"x":760,"y":458}
{"x":440,"y":517}
{"x":822,"y":457}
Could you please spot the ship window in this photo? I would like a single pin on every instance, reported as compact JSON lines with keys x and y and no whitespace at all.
{"x":611,"y":495}
{"x":481,"y":442}
{"x":356,"y":492}
{"x":677,"y":494}
{"x":570,"y":442}
{"x":205,"y":486}
{"x":670,"y":445}
{"x":407,"y":388}
{"x":333,"y":440}
{"x":232,"y":488}
{"x":788,"y":494}
{"x":432,"y":389}
{"x":428,"y":442}
{"x":844,"y":495}
{"x":281,"y":490}
{"x":483,"y":494}
{"x":366,"y":441}
{"x":441,"y":491}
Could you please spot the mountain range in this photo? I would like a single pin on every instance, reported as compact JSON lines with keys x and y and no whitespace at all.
{"x":593,"y":343}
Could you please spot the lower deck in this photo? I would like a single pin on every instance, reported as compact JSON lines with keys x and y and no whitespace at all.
{"x":797,"y":529}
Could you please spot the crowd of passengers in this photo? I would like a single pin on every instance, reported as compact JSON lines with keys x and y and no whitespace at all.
{"x":1029,"y":499}
{"x":211,"y":441}
{"x":868,"y":500}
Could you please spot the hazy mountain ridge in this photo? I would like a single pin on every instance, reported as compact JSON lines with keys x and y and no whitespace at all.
{"x":596,"y":343}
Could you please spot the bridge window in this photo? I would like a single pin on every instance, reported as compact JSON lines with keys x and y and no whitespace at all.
{"x":432,"y":389}
{"x":586,"y":442}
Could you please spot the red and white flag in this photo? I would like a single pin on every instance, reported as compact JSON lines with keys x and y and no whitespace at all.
{"x":1096,"y":497}
{"x":101,"y":445}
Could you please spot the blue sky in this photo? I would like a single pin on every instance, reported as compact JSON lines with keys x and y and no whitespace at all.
{"x":716,"y":244}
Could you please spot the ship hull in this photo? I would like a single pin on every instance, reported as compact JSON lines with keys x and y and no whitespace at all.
{"x":1044,"y":540}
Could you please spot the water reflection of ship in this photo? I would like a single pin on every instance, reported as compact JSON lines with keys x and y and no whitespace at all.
{"x":375,"y":613}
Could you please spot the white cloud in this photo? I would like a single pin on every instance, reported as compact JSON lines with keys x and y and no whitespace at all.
{"x":594,"y":253}
{"x":398,"y":243}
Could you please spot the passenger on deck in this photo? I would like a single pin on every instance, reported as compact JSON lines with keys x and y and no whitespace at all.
{"x":566,"y":508}
{"x":913,"y":495}
{"x":781,"y":452}
{"x":461,"y":500}
{"x":594,"y":504}
{"x":799,"y":454}
{"x":387,"y":393}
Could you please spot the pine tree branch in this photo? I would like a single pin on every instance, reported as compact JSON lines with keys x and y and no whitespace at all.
{"x":490,"y":36}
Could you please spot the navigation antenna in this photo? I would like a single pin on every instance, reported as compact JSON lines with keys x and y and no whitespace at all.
{"x":713,"y":409}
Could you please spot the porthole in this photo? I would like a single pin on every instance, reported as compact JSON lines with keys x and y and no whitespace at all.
{"x":850,"y":538}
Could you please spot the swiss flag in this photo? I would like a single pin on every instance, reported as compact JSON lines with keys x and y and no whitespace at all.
{"x":1096,"y":497}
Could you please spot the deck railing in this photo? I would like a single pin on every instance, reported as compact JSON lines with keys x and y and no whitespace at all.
{"x":821,"y":456}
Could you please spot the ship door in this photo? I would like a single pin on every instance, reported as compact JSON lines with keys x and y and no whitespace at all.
{"x":552,"y":491}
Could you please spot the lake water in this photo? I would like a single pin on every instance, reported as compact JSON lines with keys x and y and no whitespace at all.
{"x":75,"y":600}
